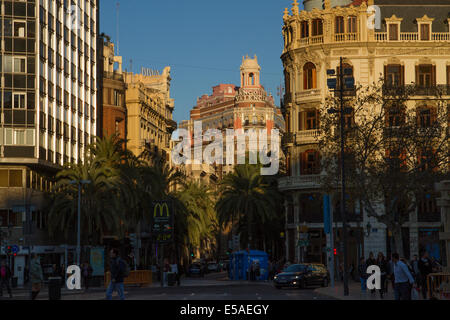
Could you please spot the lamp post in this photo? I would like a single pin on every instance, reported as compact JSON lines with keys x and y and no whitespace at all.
{"x":79,"y":183}
{"x":346,"y":81}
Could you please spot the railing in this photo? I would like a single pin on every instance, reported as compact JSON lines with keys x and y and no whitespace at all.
{"x":409,"y":36}
{"x":414,"y":90}
{"x":300,"y":182}
{"x":346,"y":37}
{"x":440,"y":36}
{"x":288,"y":138}
{"x":113,"y":75}
{"x":316,"y":39}
{"x":307,"y":135}
{"x":309,"y":93}
{"x":413,"y":36}
{"x":438,"y":285}
{"x":381,"y":36}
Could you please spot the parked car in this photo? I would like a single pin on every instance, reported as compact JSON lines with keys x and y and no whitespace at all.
{"x":224,"y":264}
{"x":301,"y":276}
{"x":213,"y":267}
{"x":196,"y":270}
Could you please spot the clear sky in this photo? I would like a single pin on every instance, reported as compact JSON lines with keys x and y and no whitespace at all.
{"x":203,"y":41}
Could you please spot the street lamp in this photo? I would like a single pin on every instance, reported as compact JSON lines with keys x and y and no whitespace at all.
{"x":79,"y":183}
{"x":346,"y":81}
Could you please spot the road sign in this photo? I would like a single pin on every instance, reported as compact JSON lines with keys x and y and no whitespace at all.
{"x":15,"y":249}
{"x":162,"y":221}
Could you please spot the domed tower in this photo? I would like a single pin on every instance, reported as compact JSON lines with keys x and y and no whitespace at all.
{"x":251,"y":93}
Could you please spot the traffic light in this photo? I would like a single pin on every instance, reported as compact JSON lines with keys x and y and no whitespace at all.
{"x":192,"y":254}
{"x":8,"y":250}
{"x":335,"y":251}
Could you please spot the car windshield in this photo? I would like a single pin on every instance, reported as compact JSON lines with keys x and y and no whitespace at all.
{"x":295,"y":268}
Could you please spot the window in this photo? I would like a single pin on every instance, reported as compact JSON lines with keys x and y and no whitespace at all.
{"x":19,"y":64}
{"x":424,"y":32}
{"x":309,"y":76}
{"x":19,"y":101}
{"x":251,"y":79}
{"x":19,"y":29}
{"x":393,"y":31}
{"x":395,"y":116}
{"x":310,"y":162}
{"x":304,"y":29}
{"x":396,"y":159}
{"x":308,"y":120}
{"x":21,"y":137}
{"x":15,"y":178}
{"x":351,"y":24}
{"x":317,"y":27}
{"x":14,"y":64}
{"x":426,"y":76}
{"x":426,"y":116}
{"x":339,"y":25}
{"x":427,"y":160}
{"x":394,"y":75}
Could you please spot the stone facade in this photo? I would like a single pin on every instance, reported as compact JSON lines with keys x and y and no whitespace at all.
{"x":149,"y":113}
{"x":408,"y":37}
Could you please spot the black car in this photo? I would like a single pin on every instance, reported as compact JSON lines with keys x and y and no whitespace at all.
{"x":195,"y":270}
{"x":301,"y":276}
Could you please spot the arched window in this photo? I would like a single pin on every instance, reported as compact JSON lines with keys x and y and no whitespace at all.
{"x":339,"y":22}
{"x":309,"y":76}
{"x":252,"y":79}
{"x":304,"y":29}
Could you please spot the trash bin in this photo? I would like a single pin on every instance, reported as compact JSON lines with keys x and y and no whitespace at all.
{"x":171,"y":279}
{"x":54,"y":288}
{"x":14,"y":282}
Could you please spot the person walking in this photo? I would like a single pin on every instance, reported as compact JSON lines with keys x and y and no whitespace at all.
{"x":362,"y":270}
{"x":5,"y":278}
{"x":370,"y":262}
{"x":86,"y":272}
{"x":174,"y":269}
{"x":425,"y":268}
{"x":117,"y":268}
{"x":403,"y":279}
{"x":36,"y":276}
{"x":382,"y":264}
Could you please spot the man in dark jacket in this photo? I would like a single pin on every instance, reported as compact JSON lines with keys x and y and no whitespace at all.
{"x":425,"y":268}
{"x":117,"y":269}
{"x":5,"y":278}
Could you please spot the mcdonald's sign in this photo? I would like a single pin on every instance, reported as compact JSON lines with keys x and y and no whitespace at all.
{"x":162,"y":221}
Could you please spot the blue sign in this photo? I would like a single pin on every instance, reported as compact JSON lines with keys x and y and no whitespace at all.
{"x":15,"y":248}
{"x":326,"y":214}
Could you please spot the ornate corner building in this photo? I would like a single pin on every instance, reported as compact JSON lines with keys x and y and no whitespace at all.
{"x":232,"y":107}
{"x":409,"y":43}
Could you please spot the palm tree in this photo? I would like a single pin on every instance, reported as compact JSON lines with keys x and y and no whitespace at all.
{"x":245,"y":196}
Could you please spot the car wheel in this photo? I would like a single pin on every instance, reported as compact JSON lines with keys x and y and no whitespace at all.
{"x":325,"y":282}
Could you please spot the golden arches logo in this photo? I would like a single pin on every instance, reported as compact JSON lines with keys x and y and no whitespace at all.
{"x":161,"y":211}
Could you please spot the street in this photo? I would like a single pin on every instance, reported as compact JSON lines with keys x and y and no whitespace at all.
{"x":211,"y":287}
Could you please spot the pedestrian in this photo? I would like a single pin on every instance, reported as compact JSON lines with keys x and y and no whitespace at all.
{"x":382,"y":264}
{"x":174,"y":269}
{"x":362,"y":270}
{"x":166,"y":269}
{"x":425,"y":266}
{"x":117,"y":268}
{"x":403,"y":278}
{"x":415,"y":267}
{"x":5,"y":274}
{"x":370,"y":262}
{"x":86,"y":272}
{"x":36,"y":276}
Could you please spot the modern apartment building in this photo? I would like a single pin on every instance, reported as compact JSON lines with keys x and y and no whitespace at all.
{"x":48,"y":108}
{"x":411,"y":44}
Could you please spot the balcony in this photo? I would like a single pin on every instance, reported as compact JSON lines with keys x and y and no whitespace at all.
{"x":413,"y":37}
{"x":113,"y":75}
{"x":306,"y":95}
{"x":307,"y":136}
{"x":311,"y":40}
{"x":304,"y":182}
{"x":346,"y":37}
{"x":287,"y":139}
{"x":414,"y":90}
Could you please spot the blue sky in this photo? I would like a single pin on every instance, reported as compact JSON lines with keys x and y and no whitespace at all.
{"x":202,"y":40}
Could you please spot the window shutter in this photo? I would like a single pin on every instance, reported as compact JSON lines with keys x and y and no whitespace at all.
{"x":385,"y":75}
{"x":417,"y":75}
{"x":314,"y":79}
{"x":402,"y":75}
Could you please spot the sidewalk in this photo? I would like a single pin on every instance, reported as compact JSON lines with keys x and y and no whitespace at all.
{"x":355,"y":292}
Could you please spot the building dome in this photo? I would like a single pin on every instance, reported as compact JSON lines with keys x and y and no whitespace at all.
{"x":250,"y":64}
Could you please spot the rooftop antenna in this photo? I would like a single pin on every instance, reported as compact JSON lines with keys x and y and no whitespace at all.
{"x":117,"y":26}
